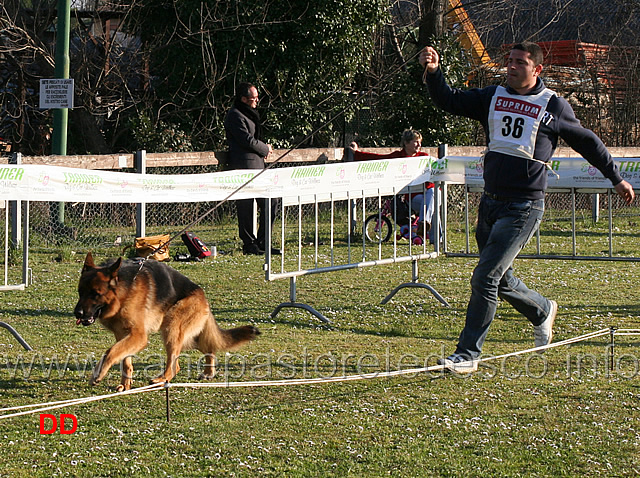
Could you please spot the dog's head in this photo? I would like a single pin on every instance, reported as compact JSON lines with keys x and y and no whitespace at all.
{"x":96,"y":290}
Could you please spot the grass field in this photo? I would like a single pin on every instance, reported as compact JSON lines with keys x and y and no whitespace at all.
{"x":565,"y":413}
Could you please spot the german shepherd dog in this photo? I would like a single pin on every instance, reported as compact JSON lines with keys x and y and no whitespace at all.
{"x":133,"y":300}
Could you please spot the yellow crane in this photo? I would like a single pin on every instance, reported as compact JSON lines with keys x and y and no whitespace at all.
{"x":458,"y":19}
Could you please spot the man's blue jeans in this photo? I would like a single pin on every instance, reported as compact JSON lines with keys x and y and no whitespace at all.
{"x":504,"y":228}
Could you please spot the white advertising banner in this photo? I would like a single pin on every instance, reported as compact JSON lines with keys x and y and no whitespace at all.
{"x":296,"y":184}
{"x":563,"y":172}
{"x":304,"y":183}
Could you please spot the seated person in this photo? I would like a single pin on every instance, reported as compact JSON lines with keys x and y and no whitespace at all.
{"x":411,"y":144}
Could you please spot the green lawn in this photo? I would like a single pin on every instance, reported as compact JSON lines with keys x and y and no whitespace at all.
{"x":561,"y":414}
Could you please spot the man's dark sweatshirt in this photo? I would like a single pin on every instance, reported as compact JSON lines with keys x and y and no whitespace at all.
{"x":511,"y":176}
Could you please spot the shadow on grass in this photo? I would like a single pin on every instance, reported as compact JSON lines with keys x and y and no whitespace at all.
{"x":606,"y":313}
{"x":35,"y":313}
{"x":614,"y":310}
{"x":312,"y":323}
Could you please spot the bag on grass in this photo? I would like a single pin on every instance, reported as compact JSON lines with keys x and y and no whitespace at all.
{"x":150,"y":247}
{"x":196,"y":247}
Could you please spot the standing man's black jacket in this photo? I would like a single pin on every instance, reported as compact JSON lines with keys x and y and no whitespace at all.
{"x":246,"y":150}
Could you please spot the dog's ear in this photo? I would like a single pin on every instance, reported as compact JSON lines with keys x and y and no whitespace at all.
{"x":88,"y":263}
{"x":115,"y":267}
{"x":113,"y":272}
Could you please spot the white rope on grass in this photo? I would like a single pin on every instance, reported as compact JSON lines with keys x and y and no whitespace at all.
{"x":76,"y":401}
{"x":394,"y":373}
{"x":581,"y":338}
{"x":304,"y":381}
{"x":307,"y":381}
{"x":626,"y":331}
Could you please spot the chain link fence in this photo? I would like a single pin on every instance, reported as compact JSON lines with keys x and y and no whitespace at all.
{"x":62,"y":229}
{"x":107,"y":228}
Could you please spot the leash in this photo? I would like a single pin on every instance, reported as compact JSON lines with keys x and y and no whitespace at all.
{"x":142,"y":260}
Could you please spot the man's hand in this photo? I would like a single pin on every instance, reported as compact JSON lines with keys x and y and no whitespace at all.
{"x":625,"y":190}
{"x":429,"y":59}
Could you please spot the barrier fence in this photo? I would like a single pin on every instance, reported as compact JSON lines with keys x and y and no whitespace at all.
{"x":335,"y":193}
{"x":17,"y":213}
{"x":105,"y":225}
{"x":337,"y":245}
{"x":604,"y":237}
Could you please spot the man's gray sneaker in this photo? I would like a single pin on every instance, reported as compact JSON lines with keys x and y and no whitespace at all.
{"x":543,"y":333}
{"x":458,"y":364}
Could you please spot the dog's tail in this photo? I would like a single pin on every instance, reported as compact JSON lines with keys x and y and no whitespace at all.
{"x":215,"y":339}
{"x":238,"y":336}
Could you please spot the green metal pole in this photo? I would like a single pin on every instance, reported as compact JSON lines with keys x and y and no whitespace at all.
{"x":61,"y":115}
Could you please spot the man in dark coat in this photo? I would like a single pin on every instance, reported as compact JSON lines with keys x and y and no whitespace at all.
{"x":247,"y":151}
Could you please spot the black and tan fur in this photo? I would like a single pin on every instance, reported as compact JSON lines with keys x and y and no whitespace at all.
{"x":133,"y":302}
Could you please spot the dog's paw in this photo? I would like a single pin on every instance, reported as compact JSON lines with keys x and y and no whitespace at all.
{"x":124,"y":385}
{"x":208,"y":377}
{"x":93,"y":381}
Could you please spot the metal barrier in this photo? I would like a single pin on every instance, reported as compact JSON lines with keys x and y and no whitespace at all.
{"x":325,"y":256}
{"x":340,"y":247}
{"x":337,"y":245}
{"x":538,"y":244}
{"x":16,"y":234}
{"x":10,"y":245}
{"x":12,"y":242}
{"x":16,"y":335}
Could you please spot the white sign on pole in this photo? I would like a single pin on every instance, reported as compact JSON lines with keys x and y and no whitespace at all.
{"x":56,"y":93}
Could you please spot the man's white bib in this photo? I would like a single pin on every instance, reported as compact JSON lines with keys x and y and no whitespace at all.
{"x":514,"y":121}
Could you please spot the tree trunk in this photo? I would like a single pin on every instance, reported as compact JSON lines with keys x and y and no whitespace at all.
{"x":85,"y":132}
{"x":432,"y":23}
